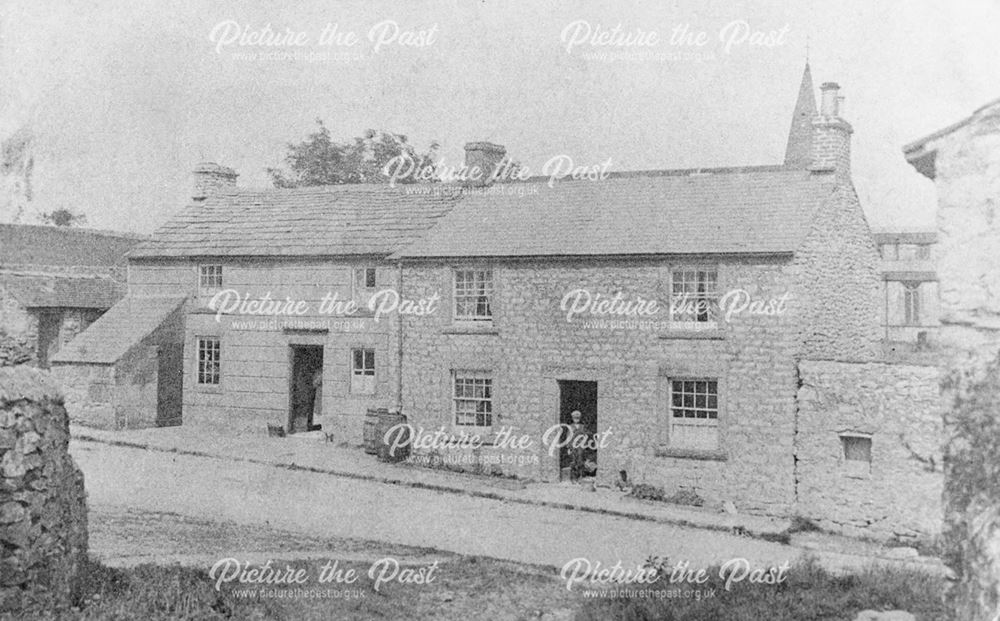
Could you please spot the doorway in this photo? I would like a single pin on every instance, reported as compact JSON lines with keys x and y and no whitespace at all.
{"x":49,"y":322}
{"x":578,"y":395}
{"x":169,"y":384}
{"x":305,"y":362}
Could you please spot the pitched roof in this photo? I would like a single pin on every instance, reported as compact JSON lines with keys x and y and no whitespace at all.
{"x":28,"y":244}
{"x":43,"y":290}
{"x":922,"y":153}
{"x":798,"y":152}
{"x":750,"y":210}
{"x":118,"y":330}
{"x":313,"y":221}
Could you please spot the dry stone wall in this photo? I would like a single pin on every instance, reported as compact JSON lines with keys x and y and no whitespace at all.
{"x":43,"y":516}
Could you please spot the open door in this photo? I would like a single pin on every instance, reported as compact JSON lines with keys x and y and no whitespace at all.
{"x":304,"y":393}
{"x":578,"y":396}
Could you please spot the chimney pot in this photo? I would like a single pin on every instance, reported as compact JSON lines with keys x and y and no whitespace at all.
{"x":831,"y":99}
{"x":484,"y":157}
{"x":210,"y":177}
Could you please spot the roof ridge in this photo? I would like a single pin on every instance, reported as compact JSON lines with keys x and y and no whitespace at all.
{"x":73,"y":230}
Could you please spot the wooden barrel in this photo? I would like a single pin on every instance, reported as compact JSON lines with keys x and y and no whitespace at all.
{"x":387,"y":421}
{"x":371,"y":435}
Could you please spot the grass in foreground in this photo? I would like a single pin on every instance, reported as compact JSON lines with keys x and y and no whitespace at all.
{"x":477,"y":588}
{"x":809,"y":594}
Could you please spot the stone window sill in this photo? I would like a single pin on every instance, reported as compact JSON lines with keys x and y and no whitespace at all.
{"x":701,"y":454}
{"x":704,"y":335}
{"x":487,"y":330}
{"x":209,"y":388}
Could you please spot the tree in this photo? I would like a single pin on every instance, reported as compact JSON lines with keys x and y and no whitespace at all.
{"x":63,"y":217}
{"x":319,"y":160}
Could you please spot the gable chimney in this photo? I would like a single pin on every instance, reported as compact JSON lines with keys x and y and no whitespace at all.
{"x":831,"y":134}
{"x":210,"y":178}
{"x":485,"y":157}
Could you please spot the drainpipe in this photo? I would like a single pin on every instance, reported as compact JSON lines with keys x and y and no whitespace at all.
{"x":885,"y":288}
{"x":399,"y":341}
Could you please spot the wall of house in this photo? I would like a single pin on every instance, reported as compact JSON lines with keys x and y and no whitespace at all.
{"x":531,"y":346}
{"x":255,"y":369}
{"x":840,"y":284}
{"x":898,"y":493}
{"x":17,"y":322}
{"x":90,"y":393}
{"x":122,"y":395}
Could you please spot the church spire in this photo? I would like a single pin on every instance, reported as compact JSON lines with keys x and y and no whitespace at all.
{"x":800,"y":136}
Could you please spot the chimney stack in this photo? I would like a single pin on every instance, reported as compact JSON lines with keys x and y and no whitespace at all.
{"x":210,"y":178}
{"x":831,"y":99}
{"x":831,"y":148}
{"x":481,"y":160}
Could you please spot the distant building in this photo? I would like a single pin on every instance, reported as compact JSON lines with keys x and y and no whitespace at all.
{"x":909,"y":306}
{"x":962,"y":160}
{"x":56,"y":281}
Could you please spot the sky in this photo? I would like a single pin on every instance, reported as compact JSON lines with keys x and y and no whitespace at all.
{"x":124,"y":100}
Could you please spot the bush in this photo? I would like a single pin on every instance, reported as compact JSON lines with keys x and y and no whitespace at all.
{"x":683,"y":496}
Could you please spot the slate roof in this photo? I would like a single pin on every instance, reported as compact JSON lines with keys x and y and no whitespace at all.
{"x":26,"y":244}
{"x":35,"y":290}
{"x":118,"y":330}
{"x":767,"y":209}
{"x":314,"y":221}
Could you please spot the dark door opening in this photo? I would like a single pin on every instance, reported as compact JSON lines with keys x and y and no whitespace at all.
{"x":49,"y":322}
{"x":169,"y":384}
{"x":578,"y":396}
{"x":304,"y":388}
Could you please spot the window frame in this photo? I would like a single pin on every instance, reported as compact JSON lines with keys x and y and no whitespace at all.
{"x":217,"y":274}
{"x":911,"y":303}
{"x":361,"y":293}
{"x":711,"y":314}
{"x":712,"y":422}
{"x":364,"y":386}
{"x":200,"y":371}
{"x":489,"y":416}
{"x":489,"y":293}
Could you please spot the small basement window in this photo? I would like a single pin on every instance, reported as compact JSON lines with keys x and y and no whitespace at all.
{"x":857,"y":454}
{"x":857,"y":448}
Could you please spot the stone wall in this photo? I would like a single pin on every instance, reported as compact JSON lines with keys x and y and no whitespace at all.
{"x":18,"y":324}
{"x":530,"y":347}
{"x":895,"y":409}
{"x":43,"y":517}
{"x":839,"y":283}
{"x":89,"y":392}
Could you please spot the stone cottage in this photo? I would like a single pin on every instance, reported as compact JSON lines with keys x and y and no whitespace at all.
{"x":235,"y":304}
{"x":55,"y":281}
{"x":545,"y":310}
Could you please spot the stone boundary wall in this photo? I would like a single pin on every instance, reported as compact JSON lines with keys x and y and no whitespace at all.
{"x":43,"y":513}
{"x":893,"y":415}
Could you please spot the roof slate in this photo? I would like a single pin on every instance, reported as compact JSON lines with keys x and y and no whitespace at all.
{"x":33,"y":290}
{"x":24,"y":244}
{"x":118,"y":330}
{"x":764,"y":210}
{"x":313,"y":221}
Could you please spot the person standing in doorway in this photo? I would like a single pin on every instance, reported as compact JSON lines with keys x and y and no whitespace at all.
{"x":577,"y":441}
